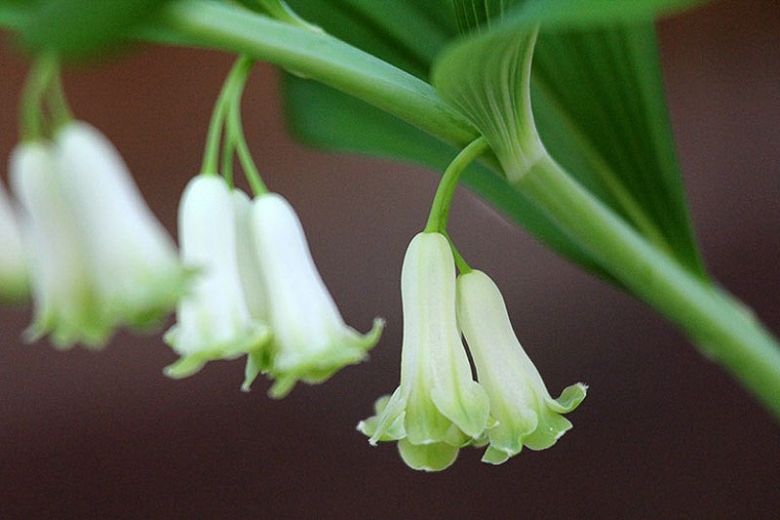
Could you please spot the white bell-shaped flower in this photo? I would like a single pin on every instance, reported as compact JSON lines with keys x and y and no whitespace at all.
{"x":438,"y":406}
{"x":14,"y":280}
{"x":252,"y":284}
{"x":213,"y":320}
{"x":135,"y":267}
{"x":310,"y":339}
{"x":524,"y":413}
{"x":66,"y":302}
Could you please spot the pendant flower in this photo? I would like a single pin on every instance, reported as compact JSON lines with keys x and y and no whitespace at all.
{"x":438,"y":407}
{"x":67,"y":305}
{"x":135,"y":268}
{"x":523,"y":410}
{"x":213,"y":320}
{"x":311,"y":342}
{"x":14,"y":282}
{"x":252,"y":285}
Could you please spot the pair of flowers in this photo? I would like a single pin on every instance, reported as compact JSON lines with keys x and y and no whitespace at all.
{"x":96,"y":258}
{"x":438,"y":407}
{"x":258,"y":293}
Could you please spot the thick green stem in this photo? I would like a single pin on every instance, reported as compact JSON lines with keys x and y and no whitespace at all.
{"x":722,"y":327}
{"x":317,"y":56}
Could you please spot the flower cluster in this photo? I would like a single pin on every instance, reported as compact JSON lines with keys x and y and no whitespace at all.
{"x":438,"y":408}
{"x":258,"y":292}
{"x":96,"y":258}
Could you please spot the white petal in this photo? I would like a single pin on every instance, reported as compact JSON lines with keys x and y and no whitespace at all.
{"x":64,"y":294}
{"x":519,"y":400}
{"x":433,"y":355}
{"x":248,"y":264}
{"x":134,"y":260}
{"x":311,"y":340}
{"x":213,"y":321}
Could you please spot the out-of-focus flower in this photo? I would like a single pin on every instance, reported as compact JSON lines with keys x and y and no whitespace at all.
{"x":135,"y":269}
{"x":310,"y":339}
{"x":14,"y":281}
{"x":438,"y":407}
{"x":213,"y":320}
{"x":522,"y":408}
{"x":252,"y":284}
{"x":67,"y":306}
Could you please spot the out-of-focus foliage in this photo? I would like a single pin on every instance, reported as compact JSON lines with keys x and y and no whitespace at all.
{"x":76,"y":28}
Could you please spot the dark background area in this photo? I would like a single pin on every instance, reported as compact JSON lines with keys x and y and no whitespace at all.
{"x":663,"y":434}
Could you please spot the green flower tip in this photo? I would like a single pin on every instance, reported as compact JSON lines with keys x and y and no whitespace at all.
{"x":252,"y":343}
{"x":314,"y":368}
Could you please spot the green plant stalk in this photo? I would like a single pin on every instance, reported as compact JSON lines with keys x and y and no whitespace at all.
{"x":719,"y":324}
{"x":440,"y":208}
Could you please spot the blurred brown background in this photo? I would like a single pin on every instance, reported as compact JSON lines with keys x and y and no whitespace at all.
{"x":663,"y":433}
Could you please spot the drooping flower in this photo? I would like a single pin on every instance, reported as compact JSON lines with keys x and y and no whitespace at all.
{"x":14,"y":280}
{"x":213,"y":320}
{"x":135,"y":269}
{"x":524,"y":412}
{"x":438,"y":407}
{"x":310,"y":342}
{"x":67,"y":306}
{"x":252,"y":284}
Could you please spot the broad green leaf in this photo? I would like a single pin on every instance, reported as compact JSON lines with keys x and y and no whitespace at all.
{"x":597,"y":101}
{"x":83,"y":27}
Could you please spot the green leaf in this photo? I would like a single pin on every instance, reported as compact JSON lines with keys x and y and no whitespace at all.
{"x":78,"y":28}
{"x":597,"y":101}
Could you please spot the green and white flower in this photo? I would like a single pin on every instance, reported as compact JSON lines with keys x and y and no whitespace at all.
{"x":67,"y":305}
{"x":438,"y":406}
{"x":523,"y":411}
{"x":136,"y":272}
{"x":310,"y":342}
{"x":213,"y":320}
{"x":14,"y":280}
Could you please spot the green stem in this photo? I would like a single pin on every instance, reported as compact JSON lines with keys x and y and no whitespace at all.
{"x":460,"y":262}
{"x":38,"y":81}
{"x":58,"y":102}
{"x":235,"y":79}
{"x":242,"y":149}
{"x":724,"y":330}
{"x":440,"y":208}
